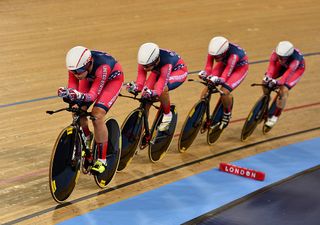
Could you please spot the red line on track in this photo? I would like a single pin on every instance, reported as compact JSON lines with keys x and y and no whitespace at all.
{"x":288,"y":109}
{"x":43,"y":171}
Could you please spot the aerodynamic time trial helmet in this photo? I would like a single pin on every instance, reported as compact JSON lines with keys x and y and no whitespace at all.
{"x":148,"y":54}
{"x":284,"y":49}
{"x":78,"y":58}
{"x":218,"y":45}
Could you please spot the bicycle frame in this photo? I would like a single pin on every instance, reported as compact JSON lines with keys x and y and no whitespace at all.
{"x":198,"y":119}
{"x":207,"y":98}
{"x":259,"y":112}
{"x":142,"y":107}
{"x":78,"y":113}
{"x":268,"y":95}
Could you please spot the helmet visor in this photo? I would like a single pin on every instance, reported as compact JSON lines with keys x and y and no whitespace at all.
{"x":151,"y":65}
{"x":219,"y":57}
{"x":283,"y":58}
{"x":81,"y":69}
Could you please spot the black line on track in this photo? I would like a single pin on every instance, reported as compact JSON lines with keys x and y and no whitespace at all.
{"x":86,"y":197}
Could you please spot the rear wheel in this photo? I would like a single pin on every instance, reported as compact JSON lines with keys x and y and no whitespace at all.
{"x":161,"y":140}
{"x":113,"y":154}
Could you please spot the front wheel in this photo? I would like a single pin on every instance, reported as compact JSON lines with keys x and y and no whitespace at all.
{"x":214,"y":131}
{"x":192,"y":125}
{"x":113,"y":154}
{"x":130,"y":133}
{"x":65,"y":164}
{"x":255,"y":117}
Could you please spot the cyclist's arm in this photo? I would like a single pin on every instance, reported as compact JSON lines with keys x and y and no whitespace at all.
{"x":163,"y":79}
{"x":102,"y":74}
{"x":272,"y":65}
{"x":209,"y":64}
{"x":73,"y":82}
{"x":231,"y":64}
{"x":290,"y":71}
{"x":141,"y":78}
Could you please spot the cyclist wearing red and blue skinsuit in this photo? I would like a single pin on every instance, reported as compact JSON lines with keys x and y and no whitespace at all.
{"x":171,"y":71}
{"x":102,"y":84}
{"x":232,"y":69}
{"x":94,"y":77}
{"x":286,"y":63}
{"x":167,"y":72}
{"x":289,"y":70}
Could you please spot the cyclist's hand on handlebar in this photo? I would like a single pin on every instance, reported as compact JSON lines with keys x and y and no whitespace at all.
{"x":132,"y":88}
{"x":270,"y":82}
{"x":215,"y":80}
{"x":63,"y":92}
{"x":75,"y":95}
{"x":202,"y":75}
{"x":148,"y":94}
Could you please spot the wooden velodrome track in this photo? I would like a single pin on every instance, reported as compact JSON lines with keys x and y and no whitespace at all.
{"x":35,"y":36}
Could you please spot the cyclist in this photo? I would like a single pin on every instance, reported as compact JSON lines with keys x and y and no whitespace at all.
{"x":94,"y":77}
{"x":230,"y":69}
{"x":167,"y":72}
{"x":286,"y":63}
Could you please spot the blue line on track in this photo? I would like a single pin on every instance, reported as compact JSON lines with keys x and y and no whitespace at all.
{"x":27,"y":101}
{"x":193,"y":72}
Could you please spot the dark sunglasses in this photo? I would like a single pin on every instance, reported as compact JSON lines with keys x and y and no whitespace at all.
{"x":154,"y":63}
{"x":219,"y":57}
{"x":81,"y":69}
{"x":283,"y":57}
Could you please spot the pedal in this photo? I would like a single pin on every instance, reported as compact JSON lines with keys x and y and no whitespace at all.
{"x":214,"y":126}
{"x":205,"y":127}
{"x":144,"y":141}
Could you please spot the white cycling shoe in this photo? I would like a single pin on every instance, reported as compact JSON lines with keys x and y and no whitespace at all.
{"x":271,"y":121}
{"x":165,"y":123}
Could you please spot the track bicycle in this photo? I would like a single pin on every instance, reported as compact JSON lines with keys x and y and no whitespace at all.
{"x":260,"y":112}
{"x":200,"y":119}
{"x":71,"y":153}
{"x":136,"y":131}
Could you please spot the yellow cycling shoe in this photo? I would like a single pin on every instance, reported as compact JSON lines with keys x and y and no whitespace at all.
{"x":99,"y":167}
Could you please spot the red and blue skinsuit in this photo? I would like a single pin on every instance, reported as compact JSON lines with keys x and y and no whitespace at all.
{"x":171,"y":71}
{"x":232,"y":69}
{"x":290,"y":70}
{"x":102,"y":84}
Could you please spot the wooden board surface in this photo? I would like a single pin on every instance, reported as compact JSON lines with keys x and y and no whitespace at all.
{"x":35,"y":36}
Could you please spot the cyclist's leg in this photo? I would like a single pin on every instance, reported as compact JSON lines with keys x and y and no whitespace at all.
{"x":84,"y":87}
{"x":176,"y":78}
{"x":232,"y":83}
{"x":102,"y":105}
{"x":283,"y":96}
{"x":150,"y":83}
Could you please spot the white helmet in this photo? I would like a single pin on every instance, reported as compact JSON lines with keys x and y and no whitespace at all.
{"x":77,"y":57}
{"x":218,"y":46}
{"x":148,"y":53}
{"x":284,"y":49}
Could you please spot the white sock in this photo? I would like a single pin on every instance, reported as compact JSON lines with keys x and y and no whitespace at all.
{"x":103,"y":161}
{"x":168,"y":115}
